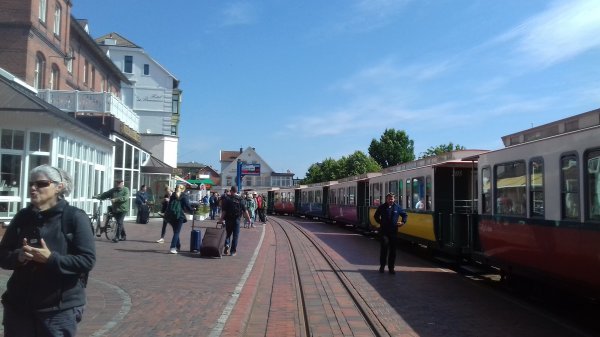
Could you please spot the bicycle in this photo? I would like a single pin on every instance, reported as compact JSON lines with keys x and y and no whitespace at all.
{"x":109,"y":227}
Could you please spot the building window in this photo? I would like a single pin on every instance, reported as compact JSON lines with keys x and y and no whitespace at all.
{"x":57,"y":19}
{"x":174,"y":130}
{"x":54,"y":77}
{"x":93,"y":84}
{"x":102,"y":83}
{"x":146,"y":69}
{"x":175,"y":106}
{"x":86,"y":65}
{"x":69,"y":61}
{"x":40,"y":68}
{"x":128,"y":68}
{"x":42,"y":11}
{"x":569,"y":187}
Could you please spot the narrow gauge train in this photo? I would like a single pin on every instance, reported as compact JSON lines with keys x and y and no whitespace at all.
{"x":531,"y":208}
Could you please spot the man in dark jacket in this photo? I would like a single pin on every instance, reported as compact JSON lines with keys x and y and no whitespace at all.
{"x":141,"y":198}
{"x":119,"y":196}
{"x":387,"y":216}
{"x":233,"y":209}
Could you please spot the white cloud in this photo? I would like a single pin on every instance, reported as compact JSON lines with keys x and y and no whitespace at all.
{"x":368,"y":15}
{"x":568,"y":28}
{"x":239,"y":13}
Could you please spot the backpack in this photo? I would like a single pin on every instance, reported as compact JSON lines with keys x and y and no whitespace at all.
{"x":174,"y":211}
{"x":235,"y":206}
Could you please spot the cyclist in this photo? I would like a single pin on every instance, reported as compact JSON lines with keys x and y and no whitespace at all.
{"x":119,"y":196}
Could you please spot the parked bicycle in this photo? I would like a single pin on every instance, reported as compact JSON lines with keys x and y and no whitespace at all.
{"x":108,"y":226}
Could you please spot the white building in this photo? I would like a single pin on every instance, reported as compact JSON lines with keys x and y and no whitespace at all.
{"x":153,"y":94}
{"x":33,"y":133}
{"x":260,"y":175}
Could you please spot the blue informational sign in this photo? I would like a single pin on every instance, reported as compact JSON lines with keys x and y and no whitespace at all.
{"x":250,"y":169}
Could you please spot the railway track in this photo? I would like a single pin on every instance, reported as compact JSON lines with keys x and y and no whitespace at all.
{"x":309,"y":291}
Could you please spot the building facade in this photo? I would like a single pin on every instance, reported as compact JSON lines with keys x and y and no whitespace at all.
{"x":152,"y":92}
{"x":259,"y":175}
{"x":53,"y":54}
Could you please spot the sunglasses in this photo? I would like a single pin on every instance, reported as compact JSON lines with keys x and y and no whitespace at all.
{"x":41,"y":183}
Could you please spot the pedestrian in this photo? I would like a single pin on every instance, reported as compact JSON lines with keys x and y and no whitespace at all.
{"x":233,"y":209}
{"x":163,"y":209}
{"x":179,"y":203}
{"x":141,"y":198}
{"x":251,"y":207}
{"x":50,"y":248}
{"x":213,"y":203}
{"x":119,"y":196}
{"x":387,"y":216}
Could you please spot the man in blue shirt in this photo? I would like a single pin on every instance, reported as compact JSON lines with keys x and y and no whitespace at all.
{"x":387,"y":216}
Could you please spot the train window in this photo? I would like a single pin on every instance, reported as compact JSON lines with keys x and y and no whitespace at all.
{"x":428,"y":193}
{"x":408,"y":205}
{"x":593,"y":184}
{"x":352,"y":195}
{"x":510,"y":184}
{"x":418,"y":193}
{"x":376,"y":194}
{"x":536,"y":187}
{"x":332,"y":197}
{"x":341,"y":196}
{"x":311,"y":196}
{"x":318,"y":197}
{"x":486,"y":205}
{"x":393,"y":187}
{"x":569,"y":187}
{"x":400,"y":196}
{"x":304,"y":197}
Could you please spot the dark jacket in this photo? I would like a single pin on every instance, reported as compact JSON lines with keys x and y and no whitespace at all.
{"x":228,"y":207}
{"x":387,"y":216}
{"x":55,"y":285}
{"x":140,"y":198}
{"x":185,"y":205}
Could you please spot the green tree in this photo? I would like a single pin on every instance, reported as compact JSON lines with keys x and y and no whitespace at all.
{"x":357,"y":163}
{"x":443,"y":148}
{"x":326,"y":170}
{"x":393,"y":148}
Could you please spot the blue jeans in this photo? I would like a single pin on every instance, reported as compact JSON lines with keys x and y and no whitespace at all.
{"x":41,"y":324}
{"x":175,"y":243}
{"x":213,"y":212}
{"x":119,"y":217}
{"x":232,"y":226}
{"x":163,"y":231}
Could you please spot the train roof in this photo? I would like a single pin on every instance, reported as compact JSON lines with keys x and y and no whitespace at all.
{"x":360,"y":177}
{"x":447,"y":158}
{"x":569,"y":124}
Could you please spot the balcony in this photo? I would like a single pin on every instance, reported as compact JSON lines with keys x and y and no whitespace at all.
{"x":91,"y":102}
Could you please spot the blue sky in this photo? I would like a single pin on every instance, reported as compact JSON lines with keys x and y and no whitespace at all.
{"x":302,"y":81}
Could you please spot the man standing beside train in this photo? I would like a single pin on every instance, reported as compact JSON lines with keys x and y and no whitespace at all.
{"x":387,"y":216}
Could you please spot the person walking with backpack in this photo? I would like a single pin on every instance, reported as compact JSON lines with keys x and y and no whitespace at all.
{"x":175,"y":215}
{"x":233,"y":209}
{"x":163,"y":210}
{"x":50,"y":248}
{"x":119,"y":196}
{"x":251,"y":207}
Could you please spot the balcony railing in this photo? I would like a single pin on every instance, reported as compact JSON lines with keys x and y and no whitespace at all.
{"x":94,"y":102}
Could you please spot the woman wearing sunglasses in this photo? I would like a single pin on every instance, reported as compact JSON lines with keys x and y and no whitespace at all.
{"x":50,"y":248}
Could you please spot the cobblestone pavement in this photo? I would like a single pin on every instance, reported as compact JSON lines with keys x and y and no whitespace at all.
{"x":138,"y":288}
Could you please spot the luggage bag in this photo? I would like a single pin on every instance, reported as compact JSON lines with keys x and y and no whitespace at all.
{"x":195,"y":238}
{"x":213,"y":242}
{"x":144,"y":214}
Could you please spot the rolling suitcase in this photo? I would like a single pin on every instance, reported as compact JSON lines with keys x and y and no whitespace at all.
{"x":195,"y":238}
{"x":213,"y":242}
{"x":144,"y":214}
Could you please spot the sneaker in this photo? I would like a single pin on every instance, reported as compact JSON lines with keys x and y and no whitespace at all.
{"x":173,"y":251}
{"x":115,"y":240}
{"x":381,"y":269}
{"x":233,"y":253}
{"x":226,"y":250}
{"x":161,"y":240}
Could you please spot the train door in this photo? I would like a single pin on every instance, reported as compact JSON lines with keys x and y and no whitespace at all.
{"x":325,"y":203}
{"x":362,"y":204}
{"x":455,"y":208}
{"x":297,"y":200}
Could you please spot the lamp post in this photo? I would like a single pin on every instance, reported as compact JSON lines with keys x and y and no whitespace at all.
{"x":238,"y":178}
